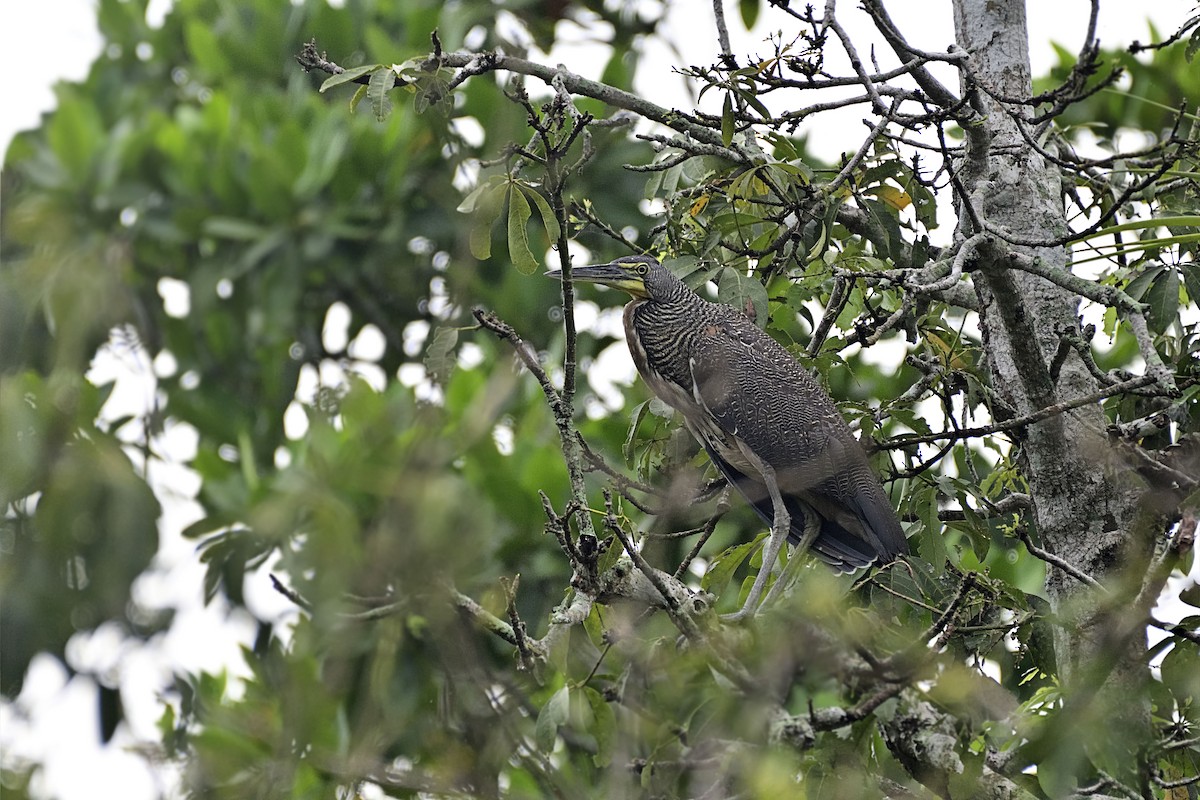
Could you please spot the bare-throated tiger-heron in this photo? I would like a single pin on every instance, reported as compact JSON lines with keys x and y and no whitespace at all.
{"x":766,"y":423}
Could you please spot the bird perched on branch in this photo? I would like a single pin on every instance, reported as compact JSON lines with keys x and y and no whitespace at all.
{"x":767,"y":425}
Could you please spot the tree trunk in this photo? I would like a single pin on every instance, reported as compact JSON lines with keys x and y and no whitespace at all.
{"x":1085,"y":505}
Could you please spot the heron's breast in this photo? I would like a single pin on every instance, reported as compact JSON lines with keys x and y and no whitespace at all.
{"x":663,"y":361}
{"x":653,"y":360}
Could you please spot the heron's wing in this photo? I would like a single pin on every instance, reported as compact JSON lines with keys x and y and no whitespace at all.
{"x":837,"y":547}
{"x":766,"y":403}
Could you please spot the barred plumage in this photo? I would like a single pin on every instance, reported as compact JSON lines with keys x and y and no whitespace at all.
{"x":757,"y":412}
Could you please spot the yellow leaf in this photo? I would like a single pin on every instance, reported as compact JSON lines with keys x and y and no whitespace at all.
{"x":698,"y":206}
{"x":945,"y":351}
{"x":896,"y":198}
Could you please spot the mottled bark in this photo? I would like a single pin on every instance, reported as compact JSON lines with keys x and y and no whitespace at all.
{"x":1084,"y":502}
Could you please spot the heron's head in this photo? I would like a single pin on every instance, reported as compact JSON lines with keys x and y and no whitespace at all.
{"x":640,"y":276}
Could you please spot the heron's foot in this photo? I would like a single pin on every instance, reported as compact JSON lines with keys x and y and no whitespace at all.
{"x":746,"y":612}
{"x":780,"y":526}
{"x":777,"y":592}
{"x":755,"y":600}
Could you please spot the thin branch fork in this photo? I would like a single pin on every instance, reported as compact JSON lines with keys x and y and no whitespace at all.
{"x":525,"y":647}
{"x":532,"y":651}
{"x":853,"y":162}
{"x":1050,"y":558}
{"x":706,"y":533}
{"x":1187,"y":528}
{"x":906,"y":660}
{"x":310,"y":58}
{"x":653,"y":575}
{"x":800,"y":731}
{"x":905,"y":51}
{"x":528,"y":357}
{"x":670,"y":590}
{"x":775,"y":82}
{"x":560,"y":527}
{"x":905,"y":440}
{"x":524,"y":352}
{"x":559,"y":405}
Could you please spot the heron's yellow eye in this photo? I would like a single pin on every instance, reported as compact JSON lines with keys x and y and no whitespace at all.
{"x":641,"y":269}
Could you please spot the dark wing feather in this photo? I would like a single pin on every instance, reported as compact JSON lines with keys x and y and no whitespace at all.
{"x":755,"y":391}
{"x":835,"y":546}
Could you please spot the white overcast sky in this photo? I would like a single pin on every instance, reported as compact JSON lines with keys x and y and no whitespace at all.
{"x":45,"y":41}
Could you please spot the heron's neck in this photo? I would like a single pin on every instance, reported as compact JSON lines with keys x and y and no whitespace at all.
{"x":661,"y":337}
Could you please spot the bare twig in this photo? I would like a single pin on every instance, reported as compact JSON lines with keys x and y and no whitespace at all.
{"x":1021,"y":421}
{"x":653,"y":575}
{"x":906,"y":659}
{"x":525,"y":649}
{"x":496,"y":626}
{"x":290,"y":594}
{"x":706,"y":533}
{"x":1050,"y":558}
{"x":493,"y":61}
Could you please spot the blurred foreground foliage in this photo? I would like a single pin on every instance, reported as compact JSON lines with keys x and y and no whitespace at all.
{"x":196,"y":208}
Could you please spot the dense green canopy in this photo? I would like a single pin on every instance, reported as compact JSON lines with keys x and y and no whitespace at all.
{"x":452,"y":521}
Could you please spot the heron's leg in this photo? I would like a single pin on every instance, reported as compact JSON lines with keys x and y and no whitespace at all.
{"x":812,"y":526}
{"x":780,"y":527}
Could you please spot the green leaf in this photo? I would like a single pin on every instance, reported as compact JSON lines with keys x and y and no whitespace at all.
{"x":439,"y":355}
{"x":672,"y":178}
{"x":1163,"y":299}
{"x":603,"y":728}
{"x":1191,"y":281}
{"x":166,"y":722}
{"x":727,"y":121}
{"x":749,"y":11}
{"x":471,"y":201}
{"x":747,"y":186}
{"x":324,"y":146}
{"x":618,"y":73}
{"x":819,"y":246}
{"x":688,"y":269}
{"x":635,"y":419}
{"x":554,"y":714}
{"x":518,"y":235}
{"x":75,"y":132}
{"x":481,"y":241}
{"x":428,"y":91}
{"x":931,"y":543}
{"x":206,"y":525}
{"x":722,"y":567}
{"x":1180,"y":669}
{"x":487,"y":201}
{"x":234,"y":228}
{"x":382,"y":81}
{"x":1154,"y":222}
{"x":744,"y":293}
{"x":553,"y":231}
{"x":611,"y":555}
{"x":885,"y":216}
{"x":349,"y":75}
{"x":206,"y":48}
{"x":1191,"y":596}
{"x":1139,"y":286}
{"x":593,"y":624}
{"x":751,"y":99}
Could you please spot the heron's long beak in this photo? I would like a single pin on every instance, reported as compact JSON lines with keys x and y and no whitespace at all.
{"x":615,"y":275}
